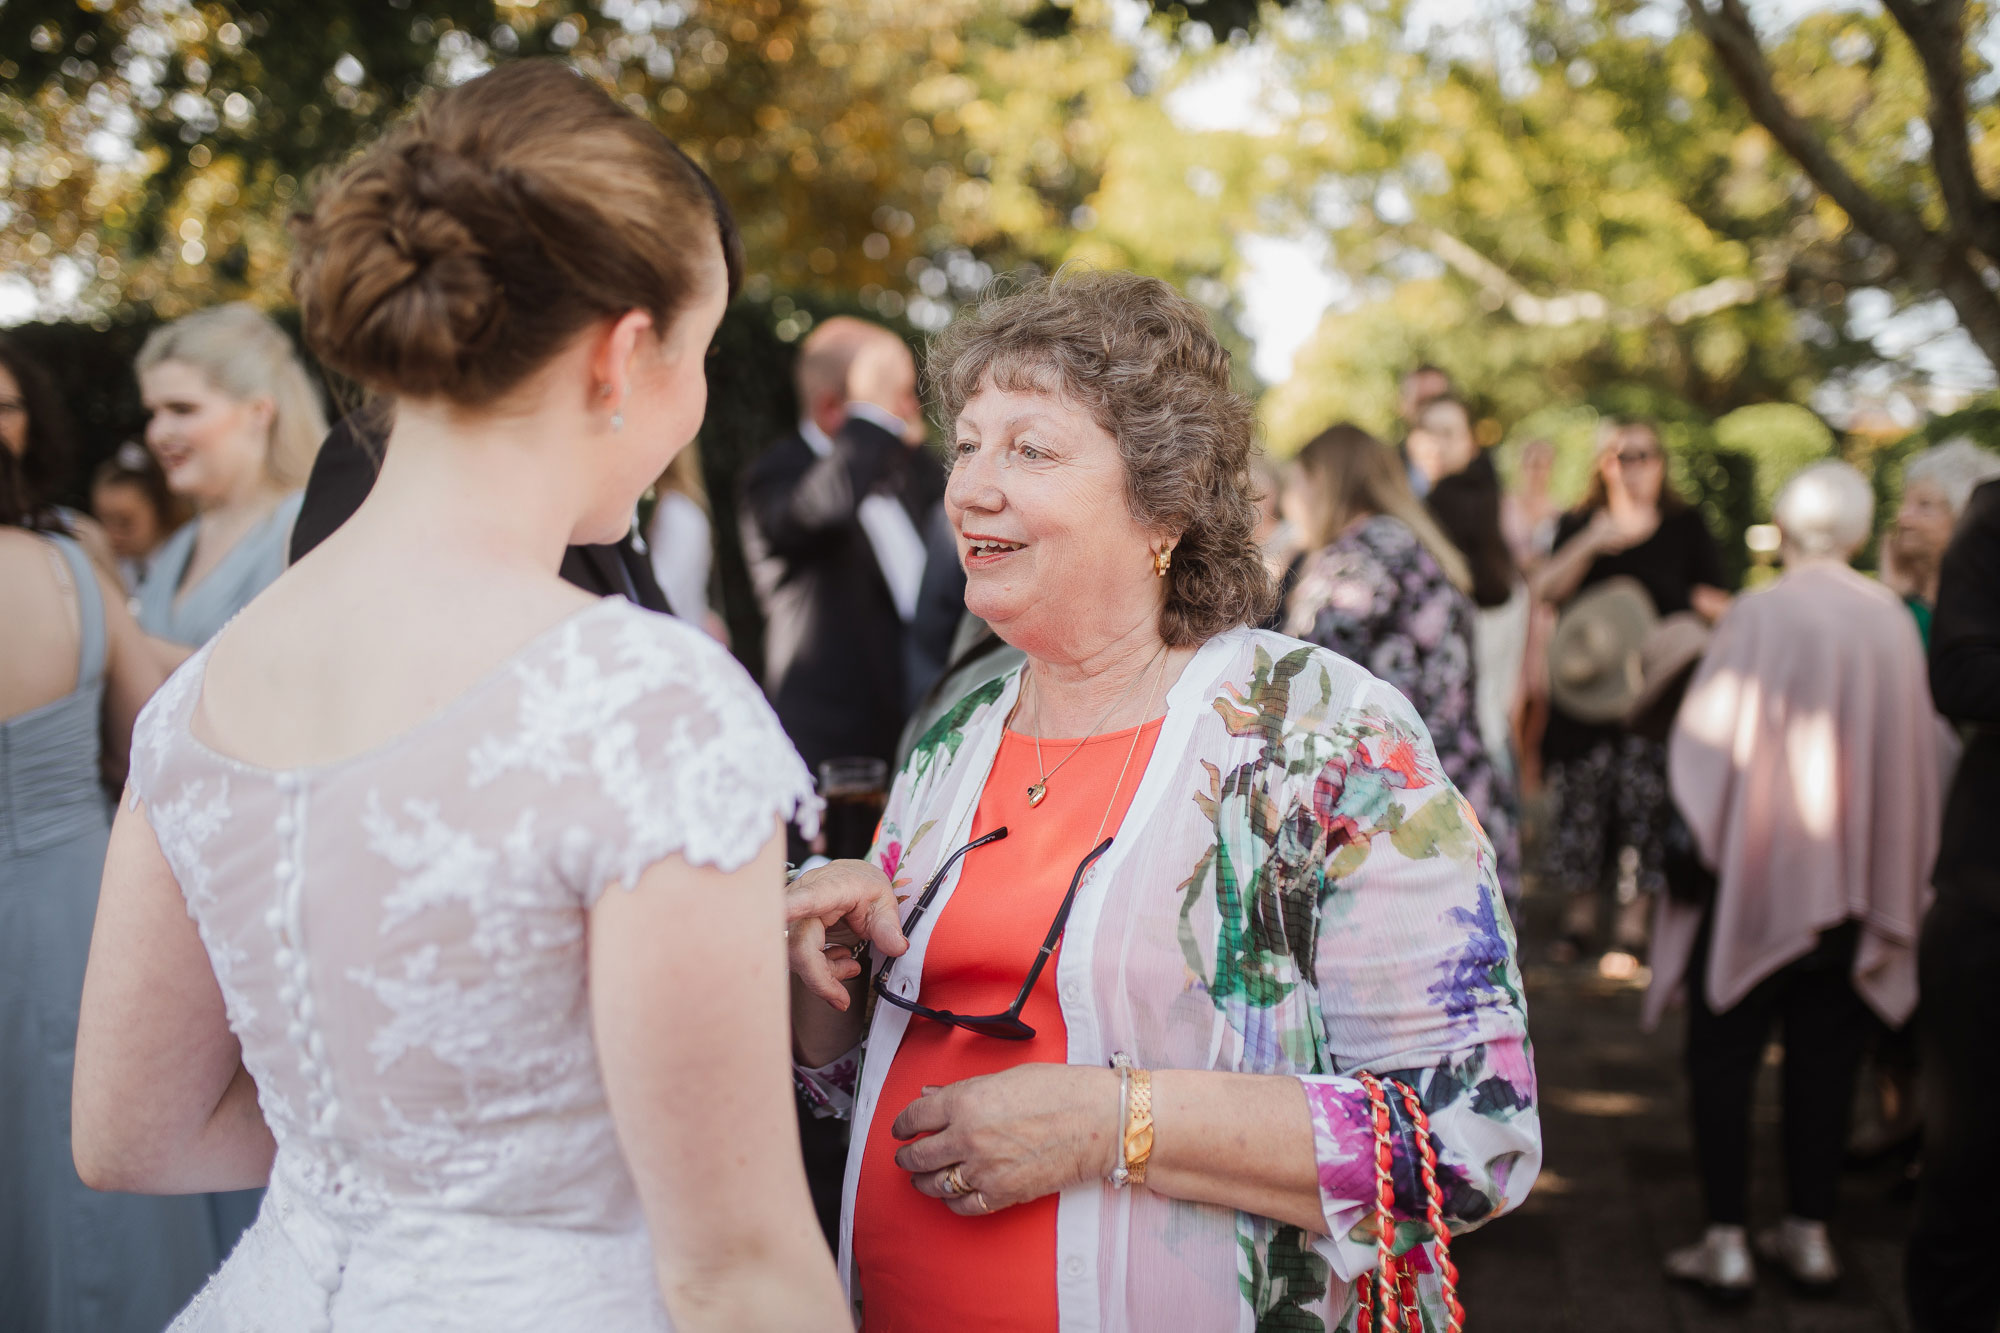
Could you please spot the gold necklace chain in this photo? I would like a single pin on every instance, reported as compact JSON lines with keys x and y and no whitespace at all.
{"x":1038,"y":791}
{"x":1130,"y":750}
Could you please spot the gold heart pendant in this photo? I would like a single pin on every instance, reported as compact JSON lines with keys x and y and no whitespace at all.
{"x":1036,"y":793}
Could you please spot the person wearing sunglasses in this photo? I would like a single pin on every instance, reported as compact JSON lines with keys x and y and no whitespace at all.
{"x":1608,"y":787}
{"x":1141,"y":908}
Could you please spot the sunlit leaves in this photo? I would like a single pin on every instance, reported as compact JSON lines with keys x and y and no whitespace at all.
{"x":1580,"y":201}
{"x":896,"y":149}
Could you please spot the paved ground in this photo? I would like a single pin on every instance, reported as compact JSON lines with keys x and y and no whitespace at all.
{"x":1618,"y":1190}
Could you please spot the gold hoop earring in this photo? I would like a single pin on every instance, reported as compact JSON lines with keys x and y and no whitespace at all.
{"x":1163,"y":560}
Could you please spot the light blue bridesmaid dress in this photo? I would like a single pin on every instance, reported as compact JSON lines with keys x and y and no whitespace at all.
{"x":72,"y":1260}
{"x":258,"y":557}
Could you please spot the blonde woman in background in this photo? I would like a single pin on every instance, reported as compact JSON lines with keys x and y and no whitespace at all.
{"x":680,"y":543}
{"x":234,"y":420}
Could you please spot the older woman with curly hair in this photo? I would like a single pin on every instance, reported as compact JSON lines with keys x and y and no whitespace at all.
{"x":1155,"y":902}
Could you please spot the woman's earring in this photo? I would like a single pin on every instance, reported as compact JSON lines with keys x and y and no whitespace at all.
{"x":617,"y":421}
{"x":1163,"y":560}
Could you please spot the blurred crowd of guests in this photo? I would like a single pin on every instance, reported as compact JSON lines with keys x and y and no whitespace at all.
{"x":1768,"y":795}
{"x":1777,"y":790}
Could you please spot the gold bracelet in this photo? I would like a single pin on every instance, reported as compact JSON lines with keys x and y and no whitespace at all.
{"x":1138,"y":1148}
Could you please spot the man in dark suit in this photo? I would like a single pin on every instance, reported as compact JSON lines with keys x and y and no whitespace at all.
{"x":344,"y":473}
{"x":833,"y":517}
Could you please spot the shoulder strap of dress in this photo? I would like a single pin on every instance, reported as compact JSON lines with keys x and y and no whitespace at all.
{"x":90,"y":610}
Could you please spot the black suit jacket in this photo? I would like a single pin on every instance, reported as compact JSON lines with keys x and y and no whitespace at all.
{"x":344,"y":473}
{"x":833,"y":644}
{"x":1965,"y":685}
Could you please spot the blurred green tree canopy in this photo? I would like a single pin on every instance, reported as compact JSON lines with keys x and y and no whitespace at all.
{"x":1592,"y":205}
{"x":890,"y":149}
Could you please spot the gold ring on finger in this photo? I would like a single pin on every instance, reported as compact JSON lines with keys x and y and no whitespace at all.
{"x":954,"y":1184}
{"x":980,"y":1199}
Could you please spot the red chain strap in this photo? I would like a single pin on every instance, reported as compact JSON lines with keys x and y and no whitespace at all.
{"x":1395,"y":1281}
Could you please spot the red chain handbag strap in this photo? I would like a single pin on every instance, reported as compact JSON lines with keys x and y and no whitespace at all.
{"x":1394,"y":1280}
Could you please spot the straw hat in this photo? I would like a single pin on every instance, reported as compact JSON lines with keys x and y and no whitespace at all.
{"x":1666,"y":659}
{"x":1594,"y":657}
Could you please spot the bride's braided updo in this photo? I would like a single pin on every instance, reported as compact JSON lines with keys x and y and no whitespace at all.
{"x":457,"y":254}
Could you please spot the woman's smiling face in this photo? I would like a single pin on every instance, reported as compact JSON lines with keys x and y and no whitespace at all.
{"x":1038,"y":500}
{"x":208,"y":442}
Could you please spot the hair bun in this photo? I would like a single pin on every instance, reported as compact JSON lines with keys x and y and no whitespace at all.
{"x":479,"y":236}
{"x":398,"y":287}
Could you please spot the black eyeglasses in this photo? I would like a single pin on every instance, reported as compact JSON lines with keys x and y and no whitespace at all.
{"x":1007,"y":1026}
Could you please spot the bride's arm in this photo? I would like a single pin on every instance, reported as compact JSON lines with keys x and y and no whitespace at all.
{"x":688,"y":999}
{"x":161,"y":1103}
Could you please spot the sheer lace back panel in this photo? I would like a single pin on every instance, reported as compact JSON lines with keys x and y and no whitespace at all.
{"x":399,"y":936}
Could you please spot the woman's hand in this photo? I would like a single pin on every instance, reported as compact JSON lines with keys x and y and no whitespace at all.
{"x":835,"y":907}
{"x":1014,"y":1136}
{"x":1611,"y":532}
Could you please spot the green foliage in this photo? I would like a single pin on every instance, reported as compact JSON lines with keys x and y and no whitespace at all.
{"x":1596,"y":208}
{"x":1778,"y":439}
{"x":1978,"y":422}
{"x":897,"y":153}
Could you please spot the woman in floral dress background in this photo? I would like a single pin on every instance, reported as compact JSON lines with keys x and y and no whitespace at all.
{"x":1383,"y":587}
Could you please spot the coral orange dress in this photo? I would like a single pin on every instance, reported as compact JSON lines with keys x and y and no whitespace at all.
{"x":918,"y":1265}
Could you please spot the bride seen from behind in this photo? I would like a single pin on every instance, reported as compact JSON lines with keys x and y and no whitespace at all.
{"x":444,"y":898}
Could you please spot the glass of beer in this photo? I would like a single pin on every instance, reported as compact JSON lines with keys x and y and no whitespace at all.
{"x":855,"y":791}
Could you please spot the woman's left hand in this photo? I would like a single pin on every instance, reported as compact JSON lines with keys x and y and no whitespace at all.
{"x":1014,"y":1136}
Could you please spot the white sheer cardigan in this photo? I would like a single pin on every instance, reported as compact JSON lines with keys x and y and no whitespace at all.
{"x":1296,"y":890}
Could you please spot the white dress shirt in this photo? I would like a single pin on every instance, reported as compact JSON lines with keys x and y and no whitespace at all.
{"x":899,"y":547}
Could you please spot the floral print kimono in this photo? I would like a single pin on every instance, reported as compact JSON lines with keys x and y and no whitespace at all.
{"x":1296,"y":890}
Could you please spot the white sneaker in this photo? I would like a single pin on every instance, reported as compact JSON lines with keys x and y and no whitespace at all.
{"x":1804,"y":1249}
{"x":1720,"y":1263}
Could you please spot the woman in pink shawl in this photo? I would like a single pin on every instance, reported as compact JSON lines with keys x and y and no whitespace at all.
{"x":1804,"y":763}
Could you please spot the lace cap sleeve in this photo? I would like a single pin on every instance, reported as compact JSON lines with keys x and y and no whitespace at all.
{"x":663,"y":746}
{"x":154,"y":730}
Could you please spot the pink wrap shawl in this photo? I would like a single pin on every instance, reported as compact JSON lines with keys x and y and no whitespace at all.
{"x":1805,"y":762}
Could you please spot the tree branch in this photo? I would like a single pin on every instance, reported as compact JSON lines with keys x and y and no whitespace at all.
{"x":1728,"y":29}
{"x":1924,"y":256}
{"x":1559,"y":311}
{"x":1578,"y":307}
{"x":1936,"y":28}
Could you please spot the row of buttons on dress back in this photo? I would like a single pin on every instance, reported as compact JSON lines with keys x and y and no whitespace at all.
{"x":285,"y":918}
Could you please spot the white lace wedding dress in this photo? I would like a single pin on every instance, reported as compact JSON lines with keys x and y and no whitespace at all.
{"x":399,"y":939}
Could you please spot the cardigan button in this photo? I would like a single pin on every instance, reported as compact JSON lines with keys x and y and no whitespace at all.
{"x":1073,"y":1265}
